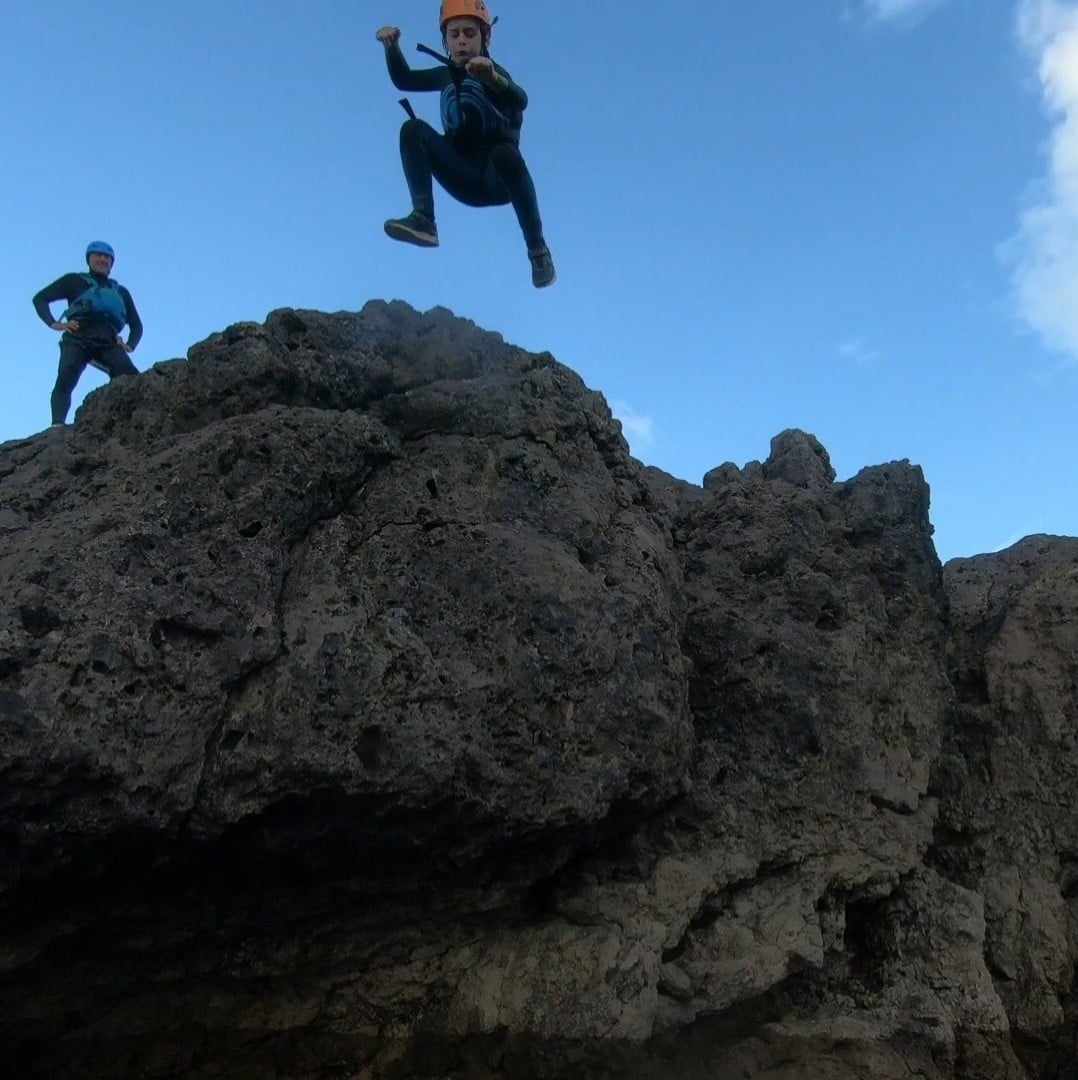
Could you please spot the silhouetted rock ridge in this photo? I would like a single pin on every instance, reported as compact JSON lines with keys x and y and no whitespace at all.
{"x":366,"y":710}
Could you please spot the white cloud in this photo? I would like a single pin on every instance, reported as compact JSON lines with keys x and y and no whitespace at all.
{"x":1015,"y":537}
{"x":897,"y":9}
{"x":639,"y":430}
{"x":859,"y":351}
{"x":1044,"y":253}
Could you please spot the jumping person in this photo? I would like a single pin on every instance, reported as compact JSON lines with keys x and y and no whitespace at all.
{"x":98,"y":309}
{"x":478,"y":159}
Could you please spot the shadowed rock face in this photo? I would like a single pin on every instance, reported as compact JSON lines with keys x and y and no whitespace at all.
{"x":367,"y":711}
{"x":1009,"y":824}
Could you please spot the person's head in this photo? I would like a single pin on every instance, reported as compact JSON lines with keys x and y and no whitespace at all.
{"x":466,"y":27}
{"x":100,"y":257}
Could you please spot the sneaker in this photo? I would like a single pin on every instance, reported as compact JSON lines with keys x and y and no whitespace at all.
{"x":543,"y":273}
{"x":416,"y":228}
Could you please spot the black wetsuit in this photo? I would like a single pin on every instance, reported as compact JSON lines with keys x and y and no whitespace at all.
{"x":476,"y":170}
{"x":94,"y":343}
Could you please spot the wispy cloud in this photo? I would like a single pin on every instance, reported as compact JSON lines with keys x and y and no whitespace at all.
{"x":1044,"y":253}
{"x":885,"y":10}
{"x":638,"y":429}
{"x":1015,"y":537}
{"x":859,"y":352}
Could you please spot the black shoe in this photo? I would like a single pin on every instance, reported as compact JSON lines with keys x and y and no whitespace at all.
{"x":416,"y":228}
{"x":543,"y":273}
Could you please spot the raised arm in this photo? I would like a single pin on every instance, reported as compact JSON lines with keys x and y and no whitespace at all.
{"x":499,"y":83}
{"x":404,"y":78}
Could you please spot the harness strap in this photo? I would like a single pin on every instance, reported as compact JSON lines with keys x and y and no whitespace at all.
{"x":437,"y":55}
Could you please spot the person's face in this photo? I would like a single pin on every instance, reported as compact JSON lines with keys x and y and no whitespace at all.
{"x":100,"y":264}
{"x":464,"y":39}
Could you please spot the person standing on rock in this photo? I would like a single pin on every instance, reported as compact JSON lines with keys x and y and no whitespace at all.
{"x":478,"y":159}
{"x":98,"y":310}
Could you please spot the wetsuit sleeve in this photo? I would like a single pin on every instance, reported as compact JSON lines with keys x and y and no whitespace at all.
{"x":404,"y":78}
{"x":133,"y":320}
{"x":61,"y":289}
{"x":512,"y":96}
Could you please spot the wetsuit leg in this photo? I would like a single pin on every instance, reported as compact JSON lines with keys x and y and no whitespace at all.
{"x":115,"y":360}
{"x":426,"y":154}
{"x":73,"y":361}
{"x":507,"y":162}
{"x":492,"y":178}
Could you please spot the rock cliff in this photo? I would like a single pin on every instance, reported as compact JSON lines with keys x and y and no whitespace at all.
{"x":367,"y":711}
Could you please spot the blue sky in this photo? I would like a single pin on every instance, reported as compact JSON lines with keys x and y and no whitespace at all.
{"x":857,"y":217}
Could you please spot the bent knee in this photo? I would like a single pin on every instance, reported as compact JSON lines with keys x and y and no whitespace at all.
{"x":415,"y":130}
{"x":507,"y":159}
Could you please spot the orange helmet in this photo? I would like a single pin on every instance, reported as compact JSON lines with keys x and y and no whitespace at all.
{"x":466,"y":9}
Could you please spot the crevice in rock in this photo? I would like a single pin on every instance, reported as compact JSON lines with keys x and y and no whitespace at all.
{"x":1047,"y":1056}
{"x":610,"y":848}
{"x":719,"y":903}
{"x":864,"y":940}
{"x":971,"y":686}
{"x":339,"y":499}
{"x":173,"y":628}
{"x":889,"y":806}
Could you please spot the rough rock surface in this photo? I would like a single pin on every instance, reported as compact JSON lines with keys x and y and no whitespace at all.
{"x":367,"y":711}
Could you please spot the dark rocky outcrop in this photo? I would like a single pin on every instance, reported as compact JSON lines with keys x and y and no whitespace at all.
{"x":367,"y":711}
